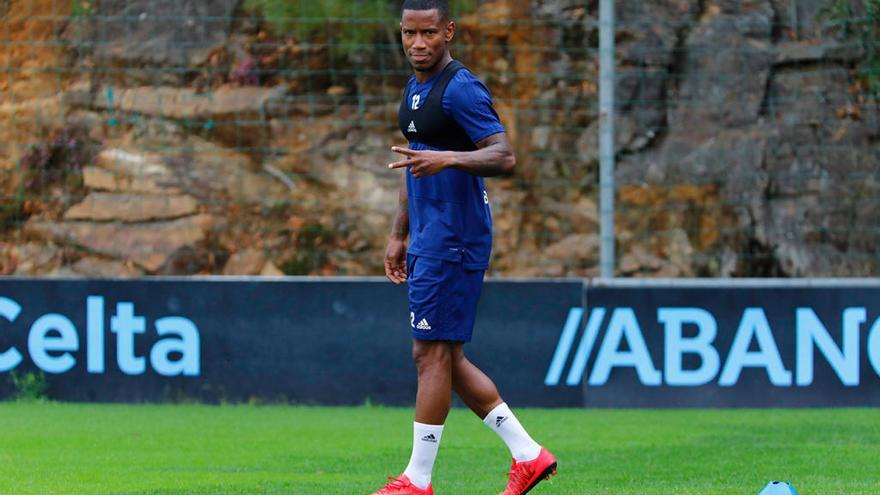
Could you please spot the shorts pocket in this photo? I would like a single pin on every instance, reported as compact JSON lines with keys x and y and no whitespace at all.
{"x":429,"y":286}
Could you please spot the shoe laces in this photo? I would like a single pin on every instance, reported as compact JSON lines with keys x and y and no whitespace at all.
{"x":393,"y":484}
{"x":519,"y":477}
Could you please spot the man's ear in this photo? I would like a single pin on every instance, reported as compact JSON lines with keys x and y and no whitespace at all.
{"x":450,"y":31}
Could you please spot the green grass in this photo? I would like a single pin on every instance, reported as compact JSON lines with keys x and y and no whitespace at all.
{"x":52,"y":448}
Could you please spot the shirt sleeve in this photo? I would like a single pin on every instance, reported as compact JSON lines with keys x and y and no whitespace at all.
{"x":468,"y":102}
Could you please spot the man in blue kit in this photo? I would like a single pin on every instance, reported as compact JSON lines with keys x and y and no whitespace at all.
{"x":455,"y":139}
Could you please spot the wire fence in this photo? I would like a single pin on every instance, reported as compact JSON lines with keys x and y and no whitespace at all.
{"x":229,"y":137}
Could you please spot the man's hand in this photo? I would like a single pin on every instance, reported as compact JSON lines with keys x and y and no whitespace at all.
{"x":395,"y":261}
{"x":422,"y":163}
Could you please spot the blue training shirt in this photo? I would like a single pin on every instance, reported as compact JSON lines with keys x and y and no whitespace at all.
{"x":449,"y":212}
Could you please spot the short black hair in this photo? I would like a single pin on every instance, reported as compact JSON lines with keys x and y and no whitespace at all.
{"x":440,"y":5}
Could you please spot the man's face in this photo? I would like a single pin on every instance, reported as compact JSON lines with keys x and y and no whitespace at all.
{"x":425,"y":37}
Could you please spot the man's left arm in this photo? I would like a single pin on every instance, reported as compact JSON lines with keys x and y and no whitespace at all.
{"x":493,"y":157}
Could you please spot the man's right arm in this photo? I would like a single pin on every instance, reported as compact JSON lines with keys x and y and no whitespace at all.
{"x":395,"y":253}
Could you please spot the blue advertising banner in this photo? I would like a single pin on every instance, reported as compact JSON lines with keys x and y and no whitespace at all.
{"x":304,"y":341}
{"x":347,"y":341}
{"x":723,"y":344}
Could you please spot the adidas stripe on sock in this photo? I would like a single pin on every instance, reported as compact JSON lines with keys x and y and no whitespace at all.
{"x":426,"y":441}
{"x":502,"y":421}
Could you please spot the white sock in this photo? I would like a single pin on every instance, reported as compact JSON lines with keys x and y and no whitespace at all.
{"x":502,"y":421}
{"x":426,"y":441}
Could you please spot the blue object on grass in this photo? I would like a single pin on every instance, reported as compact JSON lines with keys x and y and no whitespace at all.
{"x":778,"y":488}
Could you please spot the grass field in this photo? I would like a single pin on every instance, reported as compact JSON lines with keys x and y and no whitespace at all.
{"x":52,"y":448}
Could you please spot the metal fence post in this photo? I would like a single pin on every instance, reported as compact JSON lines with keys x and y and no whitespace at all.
{"x":606,"y":138}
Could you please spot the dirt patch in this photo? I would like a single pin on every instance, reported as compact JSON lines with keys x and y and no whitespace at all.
{"x":36,"y":61}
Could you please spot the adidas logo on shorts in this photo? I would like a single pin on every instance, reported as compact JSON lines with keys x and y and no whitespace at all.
{"x":423,"y":325}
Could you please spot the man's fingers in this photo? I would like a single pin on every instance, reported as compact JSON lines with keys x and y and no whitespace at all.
{"x":389,"y":271}
{"x":393,"y":277}
{"x":399,"y":164}
{"x":404,"y":151}
{"x":395,"y":272}
{"x":399,"y":278}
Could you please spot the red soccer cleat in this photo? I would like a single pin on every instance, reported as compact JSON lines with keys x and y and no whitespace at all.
{"x":525,"y":475}
{"x":403,"y":486}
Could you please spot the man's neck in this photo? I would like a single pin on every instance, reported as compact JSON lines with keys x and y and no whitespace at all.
{"x":424,"y":76}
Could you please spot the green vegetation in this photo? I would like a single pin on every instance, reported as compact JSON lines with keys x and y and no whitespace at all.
{"x":51,"y":448}
{"x":29,"y":386}
{"x":313,"y":242}
{"x":346,"y":25}
{"x":10,"y":207}
{"x":859,"y":21}
{"x":82,"y":8}
{"x":49,"y":172}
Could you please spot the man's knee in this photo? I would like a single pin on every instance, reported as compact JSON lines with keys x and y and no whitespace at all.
{"x":457,"y":355}
{"x":428,"y":354}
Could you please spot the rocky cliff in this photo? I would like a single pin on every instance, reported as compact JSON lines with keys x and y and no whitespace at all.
{"x":154,"y":137}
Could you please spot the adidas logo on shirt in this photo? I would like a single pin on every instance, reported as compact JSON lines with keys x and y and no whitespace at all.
{"x":412,"y":127}
{"x":499,"y":420}
{"x":429,"y":438}
{"x":423,"y":325}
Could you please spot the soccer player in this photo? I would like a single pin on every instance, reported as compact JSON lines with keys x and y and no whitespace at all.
{"x":455,"y":139}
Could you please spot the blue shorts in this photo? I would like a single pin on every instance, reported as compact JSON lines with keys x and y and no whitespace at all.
{"x":443,"y":298}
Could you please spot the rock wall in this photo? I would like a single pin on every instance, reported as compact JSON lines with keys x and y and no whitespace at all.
{"x":780,"y":131}
{"x":150,"y":137}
